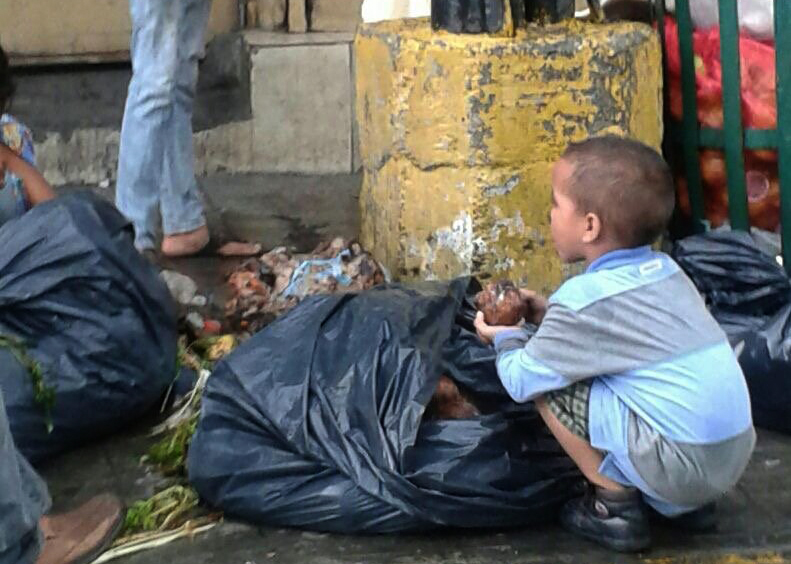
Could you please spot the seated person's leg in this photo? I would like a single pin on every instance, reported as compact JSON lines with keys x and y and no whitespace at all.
{"x":26,"y":535}
{"x":24,"y":500}
{"x":611,"y":514}
{"x":587,"y":458}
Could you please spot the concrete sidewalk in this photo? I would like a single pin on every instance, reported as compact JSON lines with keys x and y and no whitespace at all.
{"x":301,"y":211}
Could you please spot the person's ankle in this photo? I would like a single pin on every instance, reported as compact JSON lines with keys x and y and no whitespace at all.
{"x":188,"y":243}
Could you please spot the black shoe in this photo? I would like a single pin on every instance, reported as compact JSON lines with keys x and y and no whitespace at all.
{"x":617,"y":520}
{"x":701,"y":520}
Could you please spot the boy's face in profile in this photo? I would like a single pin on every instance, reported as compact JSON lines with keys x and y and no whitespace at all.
{"x":568,"y":224}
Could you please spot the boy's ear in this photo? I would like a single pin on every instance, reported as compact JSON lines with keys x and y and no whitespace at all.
{"x":592,"y":228}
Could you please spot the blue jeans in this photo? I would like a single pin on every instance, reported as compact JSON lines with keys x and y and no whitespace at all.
{"x":23,"y":500}
{"x":156,"y":174}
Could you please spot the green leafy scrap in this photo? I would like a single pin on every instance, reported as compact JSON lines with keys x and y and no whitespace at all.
{"x":170,"y":454}
{"x":168,"y":509}
{"x":43,"y":394}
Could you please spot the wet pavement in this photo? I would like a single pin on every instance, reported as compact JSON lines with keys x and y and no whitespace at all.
{"x":755,"y":519}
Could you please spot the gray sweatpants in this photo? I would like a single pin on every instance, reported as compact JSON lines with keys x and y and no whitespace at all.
{"x":23,"y":500}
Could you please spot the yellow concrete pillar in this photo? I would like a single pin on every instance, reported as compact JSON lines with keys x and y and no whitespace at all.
{"x":458,"y":134}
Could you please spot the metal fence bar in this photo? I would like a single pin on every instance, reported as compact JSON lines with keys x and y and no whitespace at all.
{"x":783,"y":61}
{"x":732,"y":113}
{"x":690,"y":119}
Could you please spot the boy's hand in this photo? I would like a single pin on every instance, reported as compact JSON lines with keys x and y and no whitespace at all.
{"x":487,"y":333}
{"x":537,"y":304}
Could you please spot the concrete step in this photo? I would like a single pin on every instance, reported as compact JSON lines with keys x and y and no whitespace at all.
{"x":296,"y":211}
{"x":267,"y":102}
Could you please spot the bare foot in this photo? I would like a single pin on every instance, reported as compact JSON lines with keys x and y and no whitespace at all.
{"x":185,"y":244}
{"x":194,"y":242}
{"x":238,"y":249}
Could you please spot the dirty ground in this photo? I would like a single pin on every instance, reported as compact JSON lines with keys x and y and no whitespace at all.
{"x":298,"y":211}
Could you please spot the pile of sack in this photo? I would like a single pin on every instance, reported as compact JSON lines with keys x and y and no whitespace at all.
{"x":758,"y":104}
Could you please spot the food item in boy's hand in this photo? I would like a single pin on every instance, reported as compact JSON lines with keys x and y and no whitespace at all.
{"x":449,"y":403}
{"x":501,"y":304}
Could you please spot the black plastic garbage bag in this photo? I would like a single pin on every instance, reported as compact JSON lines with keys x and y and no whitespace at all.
{"x":316,"y":423}
{"x":765,"y":357}
{"x":488,"y":16}
{"x":94,"y":315}
{"x":733,"y":274}
{"x":750,"y":296}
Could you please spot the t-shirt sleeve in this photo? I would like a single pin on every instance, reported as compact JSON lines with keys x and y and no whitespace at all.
{"x":523,"y":374}
{"x":17,"y":137}
{"x":569,"y":346}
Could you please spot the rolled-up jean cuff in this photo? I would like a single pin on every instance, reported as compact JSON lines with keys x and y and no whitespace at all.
{"x":177,"y":228}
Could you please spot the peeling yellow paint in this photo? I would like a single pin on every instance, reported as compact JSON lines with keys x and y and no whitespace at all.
{"x":459,"y":133}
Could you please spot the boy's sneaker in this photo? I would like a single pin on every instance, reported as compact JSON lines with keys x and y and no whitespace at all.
{"x":617,"y":520}
{"x":701,"y":520}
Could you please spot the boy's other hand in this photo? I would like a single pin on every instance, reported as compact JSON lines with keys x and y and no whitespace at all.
{"x":537,"y":304}
{"x":487,"y":333}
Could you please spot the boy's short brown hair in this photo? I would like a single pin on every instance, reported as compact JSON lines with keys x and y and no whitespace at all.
{"x":626,"y":183}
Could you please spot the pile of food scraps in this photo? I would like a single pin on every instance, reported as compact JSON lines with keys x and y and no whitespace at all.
{"x":266,"y":287}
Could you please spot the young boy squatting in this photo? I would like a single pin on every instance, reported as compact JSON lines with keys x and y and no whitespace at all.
{"x":628,"y":369}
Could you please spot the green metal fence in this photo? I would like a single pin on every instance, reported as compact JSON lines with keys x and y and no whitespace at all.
{"x":734,"y":138}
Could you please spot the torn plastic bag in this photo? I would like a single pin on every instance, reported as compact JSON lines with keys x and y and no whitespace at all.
{"x":749,"y":294}
{"x":92,"y":313}
{"x":758,"y":98}
{"x":315,"y":423}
